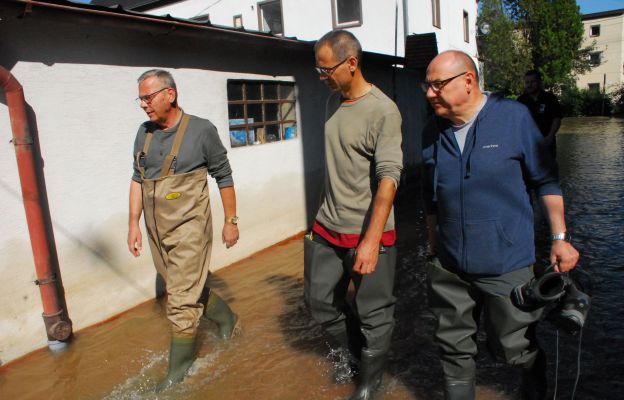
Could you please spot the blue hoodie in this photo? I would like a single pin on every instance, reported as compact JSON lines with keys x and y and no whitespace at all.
{"x":481,"y":197}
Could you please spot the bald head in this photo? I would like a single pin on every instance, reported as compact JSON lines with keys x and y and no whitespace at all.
{"x":454,"y":61}
{"x":452,"y":86}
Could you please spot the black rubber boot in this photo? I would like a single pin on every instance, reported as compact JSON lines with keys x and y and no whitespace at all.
{"x":219,"y":312}
{"x":181,"y":357}
{"x":371,"y":374}
{"x":459,"y":389}
{"x":534,"y":381}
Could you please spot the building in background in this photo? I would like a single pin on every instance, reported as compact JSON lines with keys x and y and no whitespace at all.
{"x":382,"y":26}
{"x":606,"y":29}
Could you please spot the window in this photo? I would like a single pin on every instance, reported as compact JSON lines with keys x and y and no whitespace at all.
{"x":595,"y":58}
{"x":261,"y":111}
{"x":593,"y":87}
{"x":346,"y":13}
{"x":238,"y":21}
{"x":270,"y":17}
{"x":466,"y":27}
{"x":594,"y":30}
{"x":435,"y":13}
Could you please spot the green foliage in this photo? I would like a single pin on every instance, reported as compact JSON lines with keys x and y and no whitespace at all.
{"x":531,"y":34}
{"x":505,"y":55}
{"x":617,"y":98}
{"x":577,"y":102}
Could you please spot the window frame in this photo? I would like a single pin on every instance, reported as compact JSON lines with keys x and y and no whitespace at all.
{"x":239,"y":16}
{"x":337,"y":25}
{"x":466,"y":20}
{"x":260,"y":5}
{"x":591,"y":27}
{"x":281,"y":122}
{"x":593,"y":87}
{"x":595,"y":54}
{"x":436,"y":20}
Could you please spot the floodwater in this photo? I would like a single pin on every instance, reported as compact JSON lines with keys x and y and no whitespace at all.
{"x":282,"y":355}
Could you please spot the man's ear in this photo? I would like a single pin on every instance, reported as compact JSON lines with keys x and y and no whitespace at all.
{"x":471,"y":80}
{"x":173,"y":95}
{"x":353,"y":63}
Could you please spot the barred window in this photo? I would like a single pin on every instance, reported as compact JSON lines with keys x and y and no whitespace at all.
{"x":261,"y":111}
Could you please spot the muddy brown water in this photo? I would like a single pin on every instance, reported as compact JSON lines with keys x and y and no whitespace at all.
{"x":281,"y":354}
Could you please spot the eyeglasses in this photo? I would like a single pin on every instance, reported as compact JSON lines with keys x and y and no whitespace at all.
{"x":436,"y":86}
{"x":148,"y":98}
{"x":329,"y":70}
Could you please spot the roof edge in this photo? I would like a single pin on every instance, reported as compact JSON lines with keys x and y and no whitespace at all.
{"x":603,"y":14}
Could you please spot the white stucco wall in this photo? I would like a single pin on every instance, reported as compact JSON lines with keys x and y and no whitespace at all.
{"x":450,"y":34}
{"x":87,"y":170}
{"x":309,"y":20}
{"x":611,"y":44}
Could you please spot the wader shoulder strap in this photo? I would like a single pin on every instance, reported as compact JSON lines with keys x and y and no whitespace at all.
{"x":140,"y":157}
{"x":167,"y":169}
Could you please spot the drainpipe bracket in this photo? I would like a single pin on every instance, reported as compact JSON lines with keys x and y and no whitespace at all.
{"x":46,"y":281}
{"x":28,"y":140}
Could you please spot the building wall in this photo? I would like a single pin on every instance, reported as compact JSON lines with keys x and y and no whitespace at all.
{"x":450,"y":34}
{"x":611,"y":44}
{"x":309,"y":20}
{"x":79,"y":76}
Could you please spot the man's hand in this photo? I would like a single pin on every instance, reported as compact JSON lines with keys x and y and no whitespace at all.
{"x":564,"y":254}
{"x":135,"y":240}
{"x":229,"y":235}
{"x":366,"y":256}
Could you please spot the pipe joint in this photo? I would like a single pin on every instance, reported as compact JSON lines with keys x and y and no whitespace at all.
{"x":57,"y":326}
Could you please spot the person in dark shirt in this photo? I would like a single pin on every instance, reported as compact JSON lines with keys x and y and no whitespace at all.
{"x":544,"y":108}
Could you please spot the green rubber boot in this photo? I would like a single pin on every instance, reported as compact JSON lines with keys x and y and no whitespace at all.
{"x":181,"y":357}
{"x":219,"y":312}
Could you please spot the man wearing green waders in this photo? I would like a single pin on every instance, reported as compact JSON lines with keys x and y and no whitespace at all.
{"x":173,"y":153}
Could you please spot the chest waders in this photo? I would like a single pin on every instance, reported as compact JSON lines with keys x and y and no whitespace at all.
{"x":179,"y":227}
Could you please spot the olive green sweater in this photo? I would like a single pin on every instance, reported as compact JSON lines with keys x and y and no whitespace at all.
{"x":362,"y":146}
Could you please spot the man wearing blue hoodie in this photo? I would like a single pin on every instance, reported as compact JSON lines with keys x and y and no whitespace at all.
{"x":482,"y":156}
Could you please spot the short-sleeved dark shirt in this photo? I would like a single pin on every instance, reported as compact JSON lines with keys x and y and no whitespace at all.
{"x":201,"y":147}
{"x":544,"y":110}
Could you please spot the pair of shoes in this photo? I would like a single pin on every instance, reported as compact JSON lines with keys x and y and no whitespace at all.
{"x":218,"y":311}
{"x":181,"y":357}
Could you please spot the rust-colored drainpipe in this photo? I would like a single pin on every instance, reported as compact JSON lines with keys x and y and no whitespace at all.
{"x":57,"y":322}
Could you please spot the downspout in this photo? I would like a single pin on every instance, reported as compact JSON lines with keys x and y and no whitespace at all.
{"x":57,"y":322}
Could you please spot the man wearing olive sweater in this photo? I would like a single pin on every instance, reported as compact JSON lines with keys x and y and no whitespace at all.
{"x":353,"y":236}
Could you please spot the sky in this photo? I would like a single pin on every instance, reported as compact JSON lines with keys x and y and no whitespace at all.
{"x":592,"y":6}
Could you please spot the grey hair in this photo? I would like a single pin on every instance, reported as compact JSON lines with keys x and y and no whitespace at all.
{"x":343,"y":44}
{"x":163,"y":76}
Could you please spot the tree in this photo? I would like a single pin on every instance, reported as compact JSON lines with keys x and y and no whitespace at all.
{"x":549,"y":33}
{"x":504,"y":53}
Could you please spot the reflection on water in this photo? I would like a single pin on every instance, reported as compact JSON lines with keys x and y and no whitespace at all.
{"x":282,"y":355}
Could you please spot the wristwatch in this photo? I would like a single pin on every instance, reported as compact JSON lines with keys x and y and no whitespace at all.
{"x":565,"y":236}
{"x":231,"y":220}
